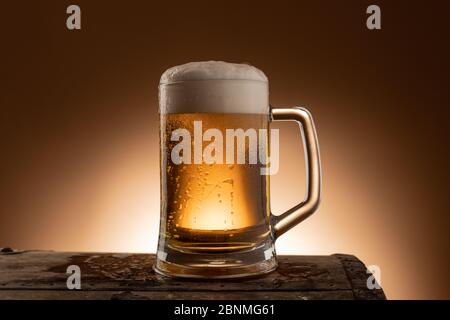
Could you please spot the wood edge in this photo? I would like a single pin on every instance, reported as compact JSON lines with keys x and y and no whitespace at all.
{"x":357,"y":275}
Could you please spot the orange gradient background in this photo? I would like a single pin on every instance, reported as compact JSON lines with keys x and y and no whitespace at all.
{"x":79,"y":124}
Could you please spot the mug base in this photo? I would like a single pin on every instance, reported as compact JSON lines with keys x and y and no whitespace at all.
{"x":216,"y":266}
{"x":248,"y":271}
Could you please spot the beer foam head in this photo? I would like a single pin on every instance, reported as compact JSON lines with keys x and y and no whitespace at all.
{"x":214,"y":87}
{"x":212,"y":70}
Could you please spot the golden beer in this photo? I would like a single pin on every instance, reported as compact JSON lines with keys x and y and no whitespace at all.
{"x":213,"y":207}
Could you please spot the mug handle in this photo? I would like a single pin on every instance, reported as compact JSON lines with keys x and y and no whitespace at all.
{"x":303,"y":210}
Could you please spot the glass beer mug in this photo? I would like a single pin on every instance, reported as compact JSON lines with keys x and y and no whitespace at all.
{"x":215,"y":157}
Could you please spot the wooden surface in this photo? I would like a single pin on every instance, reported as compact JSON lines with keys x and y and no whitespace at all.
{"x":42,"y":275}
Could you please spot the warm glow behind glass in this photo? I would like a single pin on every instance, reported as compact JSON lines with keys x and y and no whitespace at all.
{"x":215,"y":199}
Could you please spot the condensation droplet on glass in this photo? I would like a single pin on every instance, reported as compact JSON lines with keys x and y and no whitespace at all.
{"x":230,"y":181}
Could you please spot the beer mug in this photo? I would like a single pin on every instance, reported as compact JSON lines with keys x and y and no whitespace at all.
{"x":215,"y":209}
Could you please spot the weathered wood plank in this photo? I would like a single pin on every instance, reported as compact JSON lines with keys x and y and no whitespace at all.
{"x":104,"y":271}
{"x":40,"y":274}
